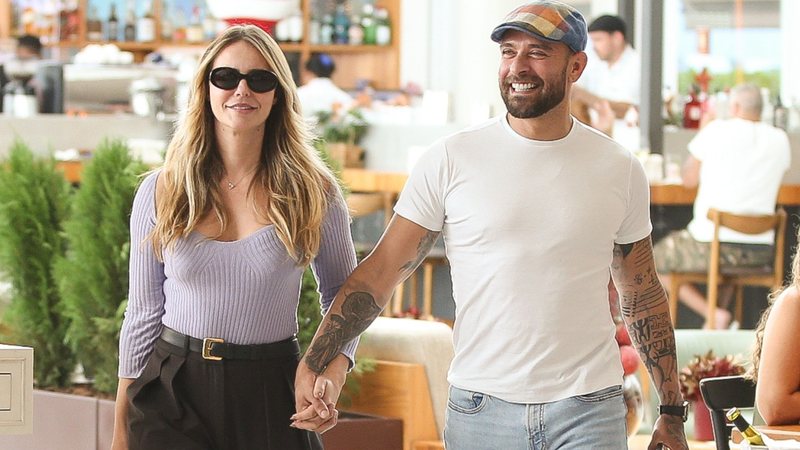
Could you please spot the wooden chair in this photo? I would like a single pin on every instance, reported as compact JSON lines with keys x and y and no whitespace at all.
{"x":722,"y":393}
{"x":767,"y":276}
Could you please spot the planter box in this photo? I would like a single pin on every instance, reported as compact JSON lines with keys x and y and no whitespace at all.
{"x":356,"y":431}
{"x":66,"y":422}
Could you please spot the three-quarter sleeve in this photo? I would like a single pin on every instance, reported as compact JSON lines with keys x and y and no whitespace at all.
{"x":142,"y":323}
{"x":336,"y":258}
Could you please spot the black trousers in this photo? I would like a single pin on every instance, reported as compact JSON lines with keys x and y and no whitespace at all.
{"x":184,"y":402}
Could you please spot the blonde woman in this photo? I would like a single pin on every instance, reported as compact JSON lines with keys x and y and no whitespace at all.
{"x":776,"y":359}
{"x":220,"y":237}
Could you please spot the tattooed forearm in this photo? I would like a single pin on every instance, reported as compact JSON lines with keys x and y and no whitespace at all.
{"x":424,"y":246}
{"x":359,"y":309}
{"x":644,"y":308}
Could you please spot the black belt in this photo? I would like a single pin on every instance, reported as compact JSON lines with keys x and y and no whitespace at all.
{"x":216,"y":349}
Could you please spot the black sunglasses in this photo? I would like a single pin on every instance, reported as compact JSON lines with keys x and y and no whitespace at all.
{"x":258,"y":80}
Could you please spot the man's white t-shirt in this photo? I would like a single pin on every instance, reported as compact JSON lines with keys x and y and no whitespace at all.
{"x":742,"y":165}
{"x":320,"y":94}
{"x":529,"y":229}
{"x":619,"y":82}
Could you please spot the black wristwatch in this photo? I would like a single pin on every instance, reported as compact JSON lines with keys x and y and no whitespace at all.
{"x":681,"y":411}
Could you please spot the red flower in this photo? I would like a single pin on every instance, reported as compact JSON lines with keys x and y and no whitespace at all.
{"x":706,"y":366}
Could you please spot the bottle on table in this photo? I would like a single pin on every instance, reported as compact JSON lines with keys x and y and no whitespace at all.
{"x":112,"y":26}
{"x":749,"y":433}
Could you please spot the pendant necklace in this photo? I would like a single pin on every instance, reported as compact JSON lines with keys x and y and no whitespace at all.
{"x":232,"y":185}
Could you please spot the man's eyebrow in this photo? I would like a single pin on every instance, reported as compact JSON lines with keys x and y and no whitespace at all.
{"x":541,"y":45}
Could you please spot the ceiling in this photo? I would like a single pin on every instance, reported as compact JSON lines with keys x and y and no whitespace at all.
{"x":720,"y":13}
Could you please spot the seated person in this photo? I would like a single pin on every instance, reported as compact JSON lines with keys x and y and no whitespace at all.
{"x":319,"y":93}
{"x":737,"y":165}
{"x":29,"y":47}
{"x":776,"y":359}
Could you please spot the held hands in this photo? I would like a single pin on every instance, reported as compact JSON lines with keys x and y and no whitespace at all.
{"x":316,"y":395}
{"x":668,"y":434}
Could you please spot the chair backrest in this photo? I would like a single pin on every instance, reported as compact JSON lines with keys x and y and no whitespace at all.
{"x":721,"y":394}
{"x":748,"y":224}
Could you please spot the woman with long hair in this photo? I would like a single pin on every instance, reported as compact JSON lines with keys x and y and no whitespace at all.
{"x":220,"y":237}
{"x":776,"y":358}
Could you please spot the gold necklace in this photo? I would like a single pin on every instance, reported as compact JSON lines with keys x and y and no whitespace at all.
{"x":232,"y":185}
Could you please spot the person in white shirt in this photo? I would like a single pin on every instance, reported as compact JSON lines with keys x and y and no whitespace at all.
{"x":319,"y":93}
{"x":613,"y":79}
{"x":737,"y":164}
{"x":535,"y":209}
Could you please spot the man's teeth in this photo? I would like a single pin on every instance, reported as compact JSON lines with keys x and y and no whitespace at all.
{"x":522,"y":86}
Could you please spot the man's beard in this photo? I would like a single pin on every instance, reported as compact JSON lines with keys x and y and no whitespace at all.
{"x":528,"y":107}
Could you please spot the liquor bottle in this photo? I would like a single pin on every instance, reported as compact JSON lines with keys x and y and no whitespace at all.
{"x":383,"y":32}
{"x":326,"y":30}
{"x":94,"y":27}
{"x":780,"y":114}
{"x":146,"y":25}
{"x":356,"y":33}
{"x":749,"y":433}
{"x":194,"y":32}
{"x":341,"y":24}
{"x":166,"y":22}
{"x":368,"y":24}
{"x":130,"y":24}
{"x":692,"y":110}
{"x":112,"y":26}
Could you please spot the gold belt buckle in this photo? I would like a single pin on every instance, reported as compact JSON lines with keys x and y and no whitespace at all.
{"x":207,"y":343}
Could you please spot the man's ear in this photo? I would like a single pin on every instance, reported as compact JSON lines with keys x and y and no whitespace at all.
{"x":577,"y":64}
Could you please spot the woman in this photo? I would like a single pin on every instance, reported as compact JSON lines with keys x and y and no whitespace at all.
{"x":220,"y":237}
{"x":776,"y":359}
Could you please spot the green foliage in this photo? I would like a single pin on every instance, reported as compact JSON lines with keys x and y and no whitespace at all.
{"x":722,"y":81}
{"x":308,"y":318}
{"x":349,"y":127}
{"x":93,"y":277}
{"x":34,"y":201}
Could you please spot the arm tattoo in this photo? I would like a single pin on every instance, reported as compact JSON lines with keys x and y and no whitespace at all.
{"x":424,"y":246}
{"x":644,"y":308}
{"x":358,"y":311}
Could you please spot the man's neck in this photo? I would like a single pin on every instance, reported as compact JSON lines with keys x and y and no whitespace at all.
{"x":553,"y":125}
{"x":616,"y":57}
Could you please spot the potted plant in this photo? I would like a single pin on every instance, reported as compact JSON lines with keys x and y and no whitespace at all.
{"x":700,"y":367}
{"x":34,"y":201}
{"x":342,"y":132}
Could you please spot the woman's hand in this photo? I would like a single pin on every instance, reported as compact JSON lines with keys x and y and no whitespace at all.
{"x":316,"y":395}
{"x":119,"y":441}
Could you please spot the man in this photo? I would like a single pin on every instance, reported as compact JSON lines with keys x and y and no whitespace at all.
{"x":319,"y":93}
{"x":29,"y":47}
{"x":739,"y":164}
{"x":613,"y":82}
{"x":534,"y":207}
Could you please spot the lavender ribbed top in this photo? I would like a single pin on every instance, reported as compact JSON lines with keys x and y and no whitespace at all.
{"x":245,"y":291}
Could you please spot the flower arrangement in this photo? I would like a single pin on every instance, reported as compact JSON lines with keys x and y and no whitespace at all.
{"x":342,"y":126}
{"x":706,"y":366}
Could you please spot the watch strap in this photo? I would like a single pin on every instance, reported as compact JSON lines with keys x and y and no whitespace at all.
{"x":681,"y":411}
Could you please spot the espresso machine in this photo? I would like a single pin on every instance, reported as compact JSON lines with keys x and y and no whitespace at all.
{"x":34,"y":87}
{"x":19,"y":96}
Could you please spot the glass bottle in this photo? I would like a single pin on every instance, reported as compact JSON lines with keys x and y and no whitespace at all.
{"x":326,"y":30}
{"x":166,"y":22}
{"x":692,"y":110}
{"x":383,"y":33}
{"x":355,"y":33}
{"x":146,"y":25}
{"x":341,"y":24}
{"x":112,"y":26}
{"x":94,"y":27}
{"x":368,"y":24}
{"x":314,"y":30}
{"x":194,"y":32}
{"x":130,"y":24}
{"x":749,"y":433}
{"x":780,"y":114}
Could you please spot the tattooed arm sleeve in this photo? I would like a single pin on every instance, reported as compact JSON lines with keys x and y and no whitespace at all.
{"x":645,"y":310}
{"x":363,"y":296}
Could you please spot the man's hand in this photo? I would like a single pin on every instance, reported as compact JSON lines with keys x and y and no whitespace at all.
{"x":668,"y":434}
{"x":316,"y":395}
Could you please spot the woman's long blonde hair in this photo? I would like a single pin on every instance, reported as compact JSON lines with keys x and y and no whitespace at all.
{"x":762,"y":323}
{"x":297,"y":182}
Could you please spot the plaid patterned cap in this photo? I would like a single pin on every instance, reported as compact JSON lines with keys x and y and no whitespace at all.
{"x":550,"y":20}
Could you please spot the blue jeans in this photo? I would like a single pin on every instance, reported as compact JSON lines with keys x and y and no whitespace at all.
{"x":476,"y":421}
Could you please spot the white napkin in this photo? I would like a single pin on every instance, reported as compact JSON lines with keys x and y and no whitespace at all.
{"x":772,"y":444}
